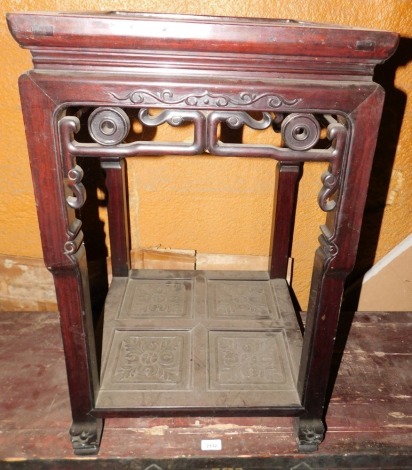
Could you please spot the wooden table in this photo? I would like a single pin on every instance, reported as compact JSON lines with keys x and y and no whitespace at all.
{"x":196,"y":343}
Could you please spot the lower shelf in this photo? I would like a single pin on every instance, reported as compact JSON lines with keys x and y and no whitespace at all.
{"x":206,"y":341}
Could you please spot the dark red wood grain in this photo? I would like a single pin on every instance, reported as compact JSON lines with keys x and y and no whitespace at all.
{"x":119,"y":216}
{"x":160,"y":34}
{"x":287,"y":180}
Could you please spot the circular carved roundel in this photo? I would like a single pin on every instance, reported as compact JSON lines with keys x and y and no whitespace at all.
{"x":300,"y":131}
{"x":108,"y":126}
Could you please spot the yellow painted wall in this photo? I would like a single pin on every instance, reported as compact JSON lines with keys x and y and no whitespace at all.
{"x":207,"y":204}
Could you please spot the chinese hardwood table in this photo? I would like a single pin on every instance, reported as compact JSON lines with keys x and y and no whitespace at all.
{"x":198,"y":343}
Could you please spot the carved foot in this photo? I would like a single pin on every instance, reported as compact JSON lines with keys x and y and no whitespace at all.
{"x":85,"y":436}
{"x":309,"y":434}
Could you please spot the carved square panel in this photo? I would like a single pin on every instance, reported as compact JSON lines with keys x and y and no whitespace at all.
{"x":157,"y":299}
{"x":241,"y":299}
{"x":248,"y":360}
{"x":149,"y":360}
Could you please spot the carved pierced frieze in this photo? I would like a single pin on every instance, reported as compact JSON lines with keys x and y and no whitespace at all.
{"x":302,"y":138}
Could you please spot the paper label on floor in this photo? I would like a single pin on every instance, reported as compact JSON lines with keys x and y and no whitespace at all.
{"x":211,"y":444}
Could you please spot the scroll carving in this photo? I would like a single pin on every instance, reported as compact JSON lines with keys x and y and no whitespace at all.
{"x":75,"y":176}
{"x":67,"y":127}
{"x":73,"y":244}
{"x":331,"y":178}
{"x":238,"y":119}
{"x":169,"y":116}
{"x":206,"y":99}
{"x":77,"y":192}
{"x":330,"y":184}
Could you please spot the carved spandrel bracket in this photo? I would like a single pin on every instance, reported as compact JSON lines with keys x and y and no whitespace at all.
{"x":75,"y":190}
{"x":73,"y":172}
{"x":331,"y":178}
{"x":301,"y":133}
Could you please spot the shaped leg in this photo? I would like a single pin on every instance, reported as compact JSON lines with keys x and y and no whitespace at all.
{"x":309,"y":434}
{"x":85,"y":436}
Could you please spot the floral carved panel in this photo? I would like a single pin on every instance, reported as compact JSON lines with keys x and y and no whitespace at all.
{"x":160,"y":299}
{"x":150,"y":360}
{"x":245,"y":299}
{"x":241,"y":360}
